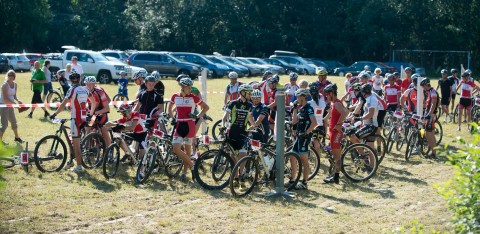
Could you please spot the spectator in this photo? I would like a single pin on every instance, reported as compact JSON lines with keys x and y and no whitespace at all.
{"x":408,"y":80}
{"x":38,"y":79}
{"x":47,"y":87}
{"x":76,"y":67}
{"x":68,"y":72}
{"x":8,"y":95}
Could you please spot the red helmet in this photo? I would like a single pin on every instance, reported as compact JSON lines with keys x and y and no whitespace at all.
{"x":125,"y":108}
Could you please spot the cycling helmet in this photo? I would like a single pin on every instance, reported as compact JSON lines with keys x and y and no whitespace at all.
{"x":60,"y":72}
{"x":408,"y":69}
{"x":366,"y":88}
{"x":245,"y":87}
{"x":365,"y":75}
{"x":415,"y":78}
{"x":74,"y":76}
{"x":453,"y":70}
{"x":392,"y":76}
{"x":186,"y":82}
{"x":293,"y":76}
{"x":396,"y":74}
{"x":443,"y":71}
{"x":313,"y":87}
{"x":468,"y":71}
{"x":155,"y":75}
{"x":385,"y":81}
{"x":356,"y":86}
{"x":181,"y":76}
{"x":232,"y":75}
{"x":123,"y":73}
{"x":465,"y":74}
{"x":90,"y":80}
{"x":274,"y":79}
{"x":140,"y":74}
{"x":330,"y":88}
{"x":425,"y":81}
{"x":124,"y":108}
{"x":256,"y":93}
{"x":267,"y":73}
{"x":300,"y":92}
{"x":150,"y":78}
{"x":322,"y":72}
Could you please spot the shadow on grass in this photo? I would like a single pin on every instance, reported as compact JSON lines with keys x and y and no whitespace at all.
{"x":367,"y":187}
{"x":101,"y":184}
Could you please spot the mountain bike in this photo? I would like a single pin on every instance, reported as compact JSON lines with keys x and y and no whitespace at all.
{"x":56,"y":97}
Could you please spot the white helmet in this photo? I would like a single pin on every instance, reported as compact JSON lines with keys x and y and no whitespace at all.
{"x":140,"y":74}
{"x":90,"y":80}
{"x":156,"y":75}
{"x":232,"y":75}
{"x":245,"y":87}
{"x":256,"y":93}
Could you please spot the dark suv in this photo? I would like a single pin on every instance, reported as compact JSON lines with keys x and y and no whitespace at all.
{"x":3,"y":63}
{"x":164,"y":63}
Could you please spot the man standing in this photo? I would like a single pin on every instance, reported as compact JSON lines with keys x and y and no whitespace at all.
{"x":47,"y":87}
{"x":445,"y":86}
{"x":408,"y":80}
{"x":77,"y":68}
{"x":454,"y":80}
{"x":38,"y":79}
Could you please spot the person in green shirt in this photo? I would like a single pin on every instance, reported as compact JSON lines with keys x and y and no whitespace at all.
{"x":38,"y":79}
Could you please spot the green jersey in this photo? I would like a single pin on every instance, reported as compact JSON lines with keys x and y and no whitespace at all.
{"x":38,"y":75}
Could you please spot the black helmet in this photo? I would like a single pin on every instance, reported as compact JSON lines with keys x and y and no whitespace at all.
{"x":313,"y":87}
{"x":181,"y":76}
{"x":274,"y":79}
{"x":356,"y":86}
{"x":74,"y":76}
{"x":425,"y":81}
{"x":366,"y":88}
{"x":415,"y":78}
{"x":267,"y":73}
{"x":465,"y":74}
{"x":330,"y":88}
{"x":453,"y":70}
{"x":396,"y":74}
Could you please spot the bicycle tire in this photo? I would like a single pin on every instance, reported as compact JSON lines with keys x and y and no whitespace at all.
{"x":314,"y":162}
{"x":93,"y":148}
{"x":147,"y":164}
{"x":387,"y":123}
{"x":216,"y":131}
{"x":391,"y":138}
{"x":58,"y":156}
{"x":455,"y":114}
{"x":173,"y":163}
{"x":111,"y":161}
{"x":360,"y":162}
{"x":7,"y":162}
{"x":401,"y":139}
{"x":288,"y":170}
{"x":423,"y":144}
{"x":119,"y":97}
{"x":54,"y":97}
{"x":248,"y":175}
{"x":438,"y":132}
{"x":411,"y":143}
{"x":382,"y":147}
{"x":211,"y":169}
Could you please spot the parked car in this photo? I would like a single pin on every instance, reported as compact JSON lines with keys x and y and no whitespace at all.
{"x":358,"y":67}
{"x":116,"y":54}
{"x":240,"y":70}
{"x":132,"y":68}
{"x":286,"y":66}
{"x":164,"y":63}
{"x":332,"y":64}
{"x":319,"y":64}
{"x":398,"y":65}
{"x":93,"y":64}
{"x":387,"y":69}
{"x":4,"y":63}
{"x":217,"y":70}
{"x":18,"y":62}
{"x":33,"y":57}
{"x":293,"y":58}
{"x":273,"y":68}
{"x":253,"y":69}
{"x":250,"y":63}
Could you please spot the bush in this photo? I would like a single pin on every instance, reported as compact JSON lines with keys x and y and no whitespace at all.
{"x":463,"y":190}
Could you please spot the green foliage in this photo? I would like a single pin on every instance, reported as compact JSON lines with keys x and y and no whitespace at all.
{"x":5,"y":151}
{"x":463,"y":190}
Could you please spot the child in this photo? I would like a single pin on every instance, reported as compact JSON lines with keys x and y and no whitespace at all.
{"x":63,"y":81}
{"x":122,"y":84}
{"x":68,"y":71}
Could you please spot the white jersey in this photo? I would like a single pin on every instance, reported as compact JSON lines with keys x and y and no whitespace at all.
{"x":371,"y":102}
{"x":318,"y":109}
{"x":78,"y":96}
{"x":377,"y":82}
{"x":48,"y":74}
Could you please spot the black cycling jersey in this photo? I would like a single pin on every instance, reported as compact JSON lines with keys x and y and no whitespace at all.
{"x":149,"y":100}
{"x":238,"y":114}
{"x":445,"y":87}
{"x":160,"y":88}
{"x":304,"y":122}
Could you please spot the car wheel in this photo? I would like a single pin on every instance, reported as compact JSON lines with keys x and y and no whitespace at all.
{"x":104,"y":77}
{"x":341,"y":74}
{"x":305,"y":71}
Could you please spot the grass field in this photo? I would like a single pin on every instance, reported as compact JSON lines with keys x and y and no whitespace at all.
{"x":66,"y":203}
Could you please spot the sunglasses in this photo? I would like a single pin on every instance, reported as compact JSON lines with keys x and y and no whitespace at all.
{"x":248,"y":92}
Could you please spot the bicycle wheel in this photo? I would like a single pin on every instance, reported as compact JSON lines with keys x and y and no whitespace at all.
{"x":212,"y":169}
{"x":359,"y":162}
{"x":314,"y":162}
{"x":292,"y":160}
{"x":93,"y":147}
{"x":50,"y":154}
{"x":247,"y":171}
{"x":438,"y":132}
{"x":401,"y":139}
{"x":411,"y":146}
{"x":53,"y":98}
{"x":119,"y":97}
{"x":381,"y":147}
{"x":455,"y":114}
{"x":217,"y":136}
{"x":391,"y":138}
{"x":423,"y":145}
{"x":7,"y":162}
{"x":387,"y":123}
{"x":146,"y":165}
{"x":111,"y":161}
{"x":173,"y":163}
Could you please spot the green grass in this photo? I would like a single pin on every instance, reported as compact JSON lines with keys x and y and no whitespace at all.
{"x":64,"y":202}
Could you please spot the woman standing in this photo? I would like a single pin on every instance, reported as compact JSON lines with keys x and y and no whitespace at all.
{"x":8,"y":95}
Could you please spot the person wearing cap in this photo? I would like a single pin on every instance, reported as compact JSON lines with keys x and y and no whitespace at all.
{"x":398,"y":81}
{"x":231,"y":92}
{"x":445,"y":86}
{"x":454,"y":81}
{"x":64,"y":82}
{"x":467,"y":89}
{"x":430,"y":114}
{"x":322,"y":80}
{"x":149,"y":99}
{"x":408,"y":79}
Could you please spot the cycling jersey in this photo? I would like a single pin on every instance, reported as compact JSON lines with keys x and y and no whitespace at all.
{"x":335,"y":115}
{"x":405,"y":83}
{"x":238,"y":114}
{"x":232,"y":91}
{"x":185,"y":105}
{"x":411,"y":95}
{"x":382,"y":105}
{"x":304,"y":113}
{"x":149,"y":100}
{"x":352,"y":96}
{"x":431,"y":95}
{"x":391,"y":92}
{"x":135,"y":115}
{"x":372,"y":102}
{"x":445,"y":86}
{"x":257,"y":111}
{"x":100,"y":96}
{"x":290,"y":92}
{"x":322,"y":86}
{"x":141,"y":88}
{"x":318,"y":108}
{"x":160,"y":89}
{"x":454,"y":81}
{"x":377,"y":82}
{"x":78,"y":96}
{"x":466,"y":88}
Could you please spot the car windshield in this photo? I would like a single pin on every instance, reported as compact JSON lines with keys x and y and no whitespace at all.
{"x":98,"y":57}
{"x":22,"y":57}
{"x":258,"y":61}
{"x":245,"y":61}
{"x":221,"y":61}
{"x":233,"y":60}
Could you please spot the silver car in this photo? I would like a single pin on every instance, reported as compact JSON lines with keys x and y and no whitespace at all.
{"x":18,"y":62}
{"x":273,"y":68}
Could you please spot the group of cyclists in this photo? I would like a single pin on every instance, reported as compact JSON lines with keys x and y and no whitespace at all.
{"x":311,"y":108}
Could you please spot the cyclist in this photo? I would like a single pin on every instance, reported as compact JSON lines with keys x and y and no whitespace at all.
{"x":63,"y":81}
{"x":409,"y":97}
{"x":131,"y":122}
{"x":263,"y":86}
{"x":445,"y":86}
{"x":272,"y":84}
{"x":318,"y":104}
{"x":337,"y":116}
{"x":149,"y":99}
{"x":430,"y":114}
{"x":159,"y":86}
{"x":231,"y":93}
{"x":454,"y":81}
{"x":354,"y":94}
{"x":467,"y":89}
{"x":138,"y":77}
{"x":77,"y":95}
{"x":392,"y":93}
{"x":260,"y":114}
{"x":291,"y":87}
{"x":123,"y":84}
{"x":99,"y":105}
{"x":398,"y":81}
{"x":185,"y":102}
{"x":305,"y":121}
{"x":239,"y":111}
{"x":377,"y":81}
{"x":408,"y":79}
{"x":322,"y":80}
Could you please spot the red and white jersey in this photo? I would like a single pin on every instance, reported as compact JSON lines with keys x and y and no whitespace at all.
{"x":232,"y":91}
{"x":128,"y":122}
{"x":431,"y":95}
{"x":466,"y":88}
{"x":78,"y":96}
{"x":391,"y":92}
{"x":185,"y":105}
{"x":318,"y":108}
{"x":382,"y":105}
{"x":101,"y":97}
{"x":290,"y":92}
{"x":352,"y":96}
{"x":265,"y":89}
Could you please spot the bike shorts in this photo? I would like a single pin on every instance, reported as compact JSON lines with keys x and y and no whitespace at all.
{"x":381,"y":117}
{"x":453,"y":96}
{"x":103,"y":120}
{"x":75,"y":127}
{"x":465,"y":103}
{"x":185,"y":129}
{"x":430,"y":124}
{"x":335,"y":138}
{"x":300,"y":146}
{"x":237,"y":140}
{"x":379,"y":92}
{"x":445,"y":101}
{"x":367,"y":132}
{"x":327,"y":107}
{"x":141,"y":138}
{"x":392,"y":107}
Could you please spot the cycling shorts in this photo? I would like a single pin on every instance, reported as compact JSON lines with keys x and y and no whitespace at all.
{"x":430,"y":124}
{"x":335,"y":139}
{"x":367,"y":132}
{"x":465,"y":103}
{"x":75,"y":127}
{"x":141,"y":138}
{"x":453,"y":96}
{"x":182,"y":140}
{"x":237,"y":139}
{"x":300,"y":146}
{"x":185,"y":129}
{"x":392,"y":107}
{"x":103,"y":120}
{"x":445,"y":101}
{"x":381,"y":117}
